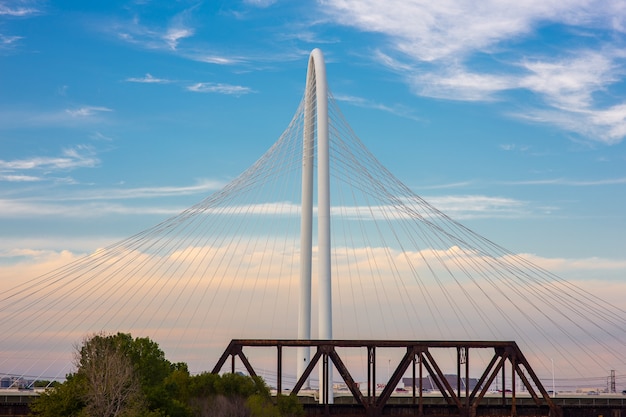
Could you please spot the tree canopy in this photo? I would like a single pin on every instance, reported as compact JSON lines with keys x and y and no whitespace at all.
{"x":118,"y":376}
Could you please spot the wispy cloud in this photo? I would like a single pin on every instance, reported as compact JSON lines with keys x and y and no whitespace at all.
{"x":260,"y":3}
{"x":201,"y":187}
{"x":431,"y":31}
{"x":8,"y":41}
{"x":220,"y":88}
{"x":86,"y":111}
{"x":19,"y":178}
{"x":97,"y":136}
{"x":514,"y":147}
{"x":17,"y":9}
{"x":362,"y":102}
{"x":148,"y":79}
{"x":82,"y":156}
{"x":460,"y":184}
{"x":569,"y":83}
{"x":16,"y":208}
{"x":103,"y":202}
{"x":61,"y":117}
{"x":174,"y":35}
{"x":569,"y":182}
{"x":433,"y":44}
{"x":480,"y":206}
{"x":218,"y":59}
{"x":459,"y":84}
{"x":166,"y":37}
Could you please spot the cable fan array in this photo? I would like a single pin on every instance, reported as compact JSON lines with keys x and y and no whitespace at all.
{"x":227,"y":268}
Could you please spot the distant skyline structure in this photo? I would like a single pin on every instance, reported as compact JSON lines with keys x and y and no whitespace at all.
{"x":231,"y":266}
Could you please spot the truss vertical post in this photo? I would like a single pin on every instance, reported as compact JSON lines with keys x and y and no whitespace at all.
{"x":513,"y":394}
{"x":413,"y":401}
{"x":371,"y":374}
{"x":503,"y":384}
{"x":421,"y":386}
{"x":465,"y":358}
{"x":458,"y":371}
{"x":279,"y":369}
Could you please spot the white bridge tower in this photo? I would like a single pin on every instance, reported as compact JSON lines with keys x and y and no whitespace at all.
{"x":315,"y":115}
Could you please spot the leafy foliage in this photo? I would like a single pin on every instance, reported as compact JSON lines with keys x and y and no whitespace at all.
{"x":118,"y":376}
{"x":62,"y":400}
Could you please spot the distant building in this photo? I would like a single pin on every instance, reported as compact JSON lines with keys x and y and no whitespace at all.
{"x":429,"y":384}
{"x":13,"y":382}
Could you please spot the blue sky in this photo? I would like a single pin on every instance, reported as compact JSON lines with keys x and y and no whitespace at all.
{"x":508,"y":116}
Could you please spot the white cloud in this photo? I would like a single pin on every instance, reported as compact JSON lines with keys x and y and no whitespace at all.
{"x":86,"y":111}
{"x":429,"y":31}
{"x":260,"y":3}
{"x":27,"y":117}
{"x":220,"y":88}
{"x":36,"y":208}
{"x":148,"y":79}
{"x":478,"y":206}
{"x":17,"y":11}
{"x":96,"y":203}
{"x":603,"y":125}
{"x":19,"y":178}
{"x":82,"y":156}
{"x":200,"y":187}
{"x":174,"y":35}
{"x":219,"y":60}
{"x":100,"y":137}
{"x":459,"y":207}
{"x":570,"y":83}
{"x":459,"y":84}
{"x":362,"y":102}
{"x":433,"y":44}
{"x":151,"y":36}
{"x":7,"y":41}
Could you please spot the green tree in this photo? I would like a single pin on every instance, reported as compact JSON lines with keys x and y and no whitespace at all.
{"x":66,"y":399}
{"x":117,"y":375}
{"x":112,"y":387}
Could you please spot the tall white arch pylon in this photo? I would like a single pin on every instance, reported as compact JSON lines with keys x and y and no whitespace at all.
{"x":315,"y":116}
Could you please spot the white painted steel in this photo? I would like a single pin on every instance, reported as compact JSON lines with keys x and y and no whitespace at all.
{"x":316,"y":114}
{"x":323,"y":210}
{"x":306,"y":223}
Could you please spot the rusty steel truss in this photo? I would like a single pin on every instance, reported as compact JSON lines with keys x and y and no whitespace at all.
{"x":418,"y":356}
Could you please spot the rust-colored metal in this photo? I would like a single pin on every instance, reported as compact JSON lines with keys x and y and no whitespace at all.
{"x":416,"y":353}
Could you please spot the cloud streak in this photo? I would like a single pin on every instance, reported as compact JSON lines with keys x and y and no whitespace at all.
{"x":362,"y":102}
{"x":87,"y":111}
{"x":148,"y":79}
{"x":17,"y":10}
{"x":82,"y":156}
{"x":435,"y":45}
{"x":98,"y":203}
{"x":219,"y":88}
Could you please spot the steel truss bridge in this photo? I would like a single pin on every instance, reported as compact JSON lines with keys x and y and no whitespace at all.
{"x":458,"y":400}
